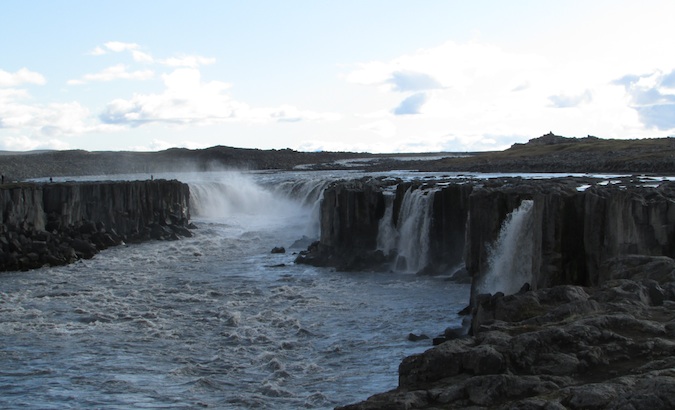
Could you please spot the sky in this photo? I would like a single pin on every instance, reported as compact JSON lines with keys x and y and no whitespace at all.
{"x":311,"y":75}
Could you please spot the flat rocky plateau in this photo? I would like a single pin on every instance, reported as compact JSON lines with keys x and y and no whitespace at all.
{"x":548,"y":153}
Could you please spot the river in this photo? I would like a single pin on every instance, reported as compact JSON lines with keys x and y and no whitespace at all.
{"x":216,"y":320}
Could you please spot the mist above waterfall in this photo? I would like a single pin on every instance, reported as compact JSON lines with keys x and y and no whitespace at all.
{"x":510,"y":256}
{"x":241,"y":198}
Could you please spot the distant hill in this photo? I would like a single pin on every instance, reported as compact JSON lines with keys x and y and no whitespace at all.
{"x":19,"y":166}
{"x":548,"y":153}
{"x":554,"y":153}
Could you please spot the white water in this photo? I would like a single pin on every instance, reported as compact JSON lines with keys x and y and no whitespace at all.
{"x":510,"y":257}
{"x":410,"y":237}
{"x":215,"y":320}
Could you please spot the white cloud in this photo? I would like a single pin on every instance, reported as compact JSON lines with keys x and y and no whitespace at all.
{"x":161,"y":145}
{"x":98,"y":51}
{"x":383,"y":128}
{"x":480,"y":89}
{"x":43,"y":123}
{"x":567,"y":101}
{"x":142,"y":57}
{"x":24,"y":143}
{"x":116,"y":72}
{"x":411,"y":105}
{"x":187,"y":100}
{"x":652,"y":96}
{"x":118,"y":46}
{"x":188,"y":61}
{"x":449,"y":65}
{"x":22,"y":76}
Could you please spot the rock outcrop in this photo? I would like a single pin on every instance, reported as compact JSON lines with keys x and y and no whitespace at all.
{"x":572,"y":347}
{"x":573,"y":230}
{"x":55,"y":224}
{"x":593,"y":324}
{"x":352,"y":212}
{"x":349,"y":217}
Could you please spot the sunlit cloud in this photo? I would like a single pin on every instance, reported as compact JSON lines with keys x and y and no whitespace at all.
{"x":448,"y":65}
{"x":116,"y":72}
{"x":187,"y":100}
{"x":567,"y":101}
{"x":481,"y":89}
{"x":161,"y":145}
{"x":20,"y":77}
{"x":188,"y":61}
{"x":119,"y":46}
{"x":653,"y":98}
{"x":24,"y":143}
{"x":382,"y":128}
{"x":44,"y":122}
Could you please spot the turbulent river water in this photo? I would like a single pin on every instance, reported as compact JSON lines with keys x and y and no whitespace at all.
{"x":216,"y":320}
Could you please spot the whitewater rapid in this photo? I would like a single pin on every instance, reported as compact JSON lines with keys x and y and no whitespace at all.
{"x":215,"y":320}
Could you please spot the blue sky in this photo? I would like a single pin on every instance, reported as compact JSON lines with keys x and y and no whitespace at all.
{"x":376,"y":76}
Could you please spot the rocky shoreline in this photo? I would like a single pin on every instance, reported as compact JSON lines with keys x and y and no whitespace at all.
{"x":567,"y":347}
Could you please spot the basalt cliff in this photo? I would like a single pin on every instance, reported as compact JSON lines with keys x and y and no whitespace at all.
{"x":58,"y":223}
{"x":578,"y":314}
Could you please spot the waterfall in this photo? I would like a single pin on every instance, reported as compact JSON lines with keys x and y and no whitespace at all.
{"x":308,"y":192}
{"x":387,"y":235}
{"x":410,"y":237}
{"x":238,"y":198}
{"x":510,"y":257}
{"x":233,"y":193}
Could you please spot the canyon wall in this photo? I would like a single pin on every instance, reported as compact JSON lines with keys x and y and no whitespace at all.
{"x":55,"y":224}
{"x":595,"y":328}
{"x":573,"y":231}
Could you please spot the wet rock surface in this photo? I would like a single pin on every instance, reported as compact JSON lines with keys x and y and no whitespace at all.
{"x":57,"y":224}
{"x":610,"y":346}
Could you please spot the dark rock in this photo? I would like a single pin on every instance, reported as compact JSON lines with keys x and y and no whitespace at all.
{"x":84,"y":249}
{"x":58,"y":223}
{"x":278,"y":249}
{"x":302,"y":243}
{"x":587,"y":348}
{"x":180,"y":230}
{"x":461,"y":276}
{"x":416,"y":338}
{"x":658,"y":268}
{"x":278,"y":265}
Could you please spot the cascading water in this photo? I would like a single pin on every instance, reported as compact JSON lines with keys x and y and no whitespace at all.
{"x":387,"y":235}
{"x":309,"y":193}
{"x":410,"y":237}
{"x":240,"y":199}
{"x":510,"y":257}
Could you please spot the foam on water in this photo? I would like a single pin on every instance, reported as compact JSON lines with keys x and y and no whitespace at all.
{"x":214,"y":320}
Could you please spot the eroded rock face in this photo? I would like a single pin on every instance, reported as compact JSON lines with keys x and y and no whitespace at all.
{"x":573,"y":232}
{"x":56,"y":224}
{"x":594,"y":327}
{"x":350,"y":214}
{"x":563,"y":347}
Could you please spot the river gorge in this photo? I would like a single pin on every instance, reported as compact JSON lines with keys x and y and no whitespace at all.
{"x":216,"y":319}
